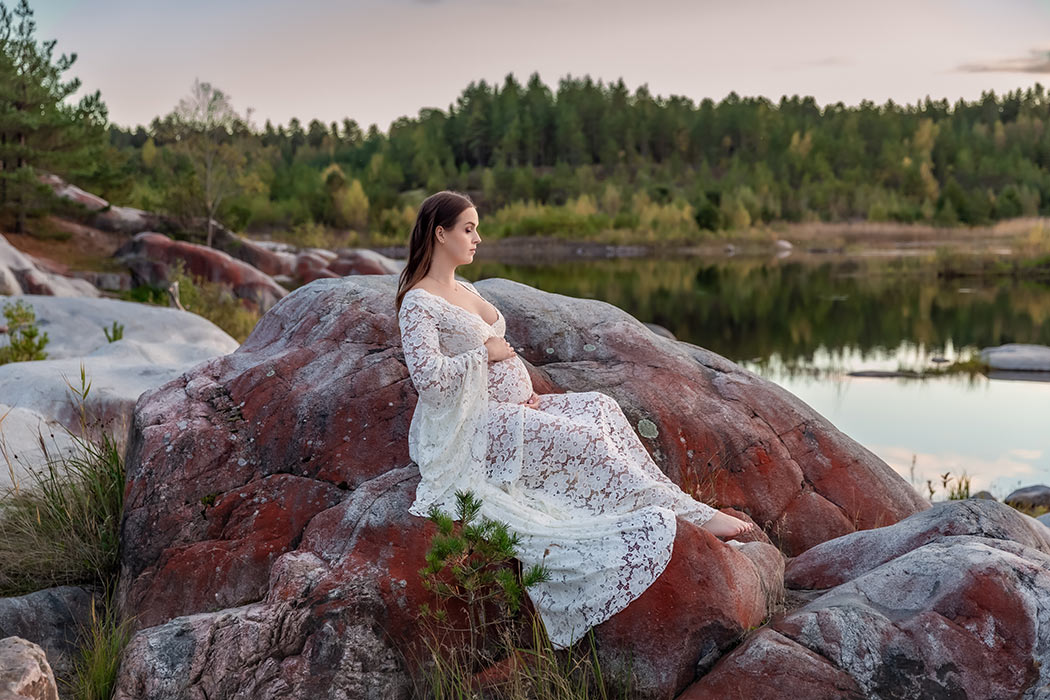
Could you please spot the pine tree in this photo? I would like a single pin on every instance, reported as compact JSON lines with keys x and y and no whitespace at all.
{"x":39,"y":131}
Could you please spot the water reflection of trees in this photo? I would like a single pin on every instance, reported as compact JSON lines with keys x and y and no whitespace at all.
{"x":750,"y":310}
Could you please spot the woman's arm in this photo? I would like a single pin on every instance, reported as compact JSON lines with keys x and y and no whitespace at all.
{"x":436,"y":376}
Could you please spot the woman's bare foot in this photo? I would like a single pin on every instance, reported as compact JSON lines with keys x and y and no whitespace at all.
{"x":724,"y":525}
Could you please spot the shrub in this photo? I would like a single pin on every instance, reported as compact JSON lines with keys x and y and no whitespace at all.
{"x":216,"y":303}
{"x":470,"y":565}
{"x":25,"y":341}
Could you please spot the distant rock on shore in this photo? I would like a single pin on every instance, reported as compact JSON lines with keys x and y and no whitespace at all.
{"x":1017,"y":357}
{"x":21,"y":274}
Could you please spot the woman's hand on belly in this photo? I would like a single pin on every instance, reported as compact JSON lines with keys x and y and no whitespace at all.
{"x":533,"y":401}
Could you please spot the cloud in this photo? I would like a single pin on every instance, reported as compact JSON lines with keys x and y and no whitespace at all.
{"x":1037,"y":61}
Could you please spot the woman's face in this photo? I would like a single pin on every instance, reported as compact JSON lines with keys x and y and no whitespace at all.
{"x":460,"y":241}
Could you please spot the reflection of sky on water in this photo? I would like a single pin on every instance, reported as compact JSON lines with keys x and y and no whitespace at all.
{"x":996,"y":431}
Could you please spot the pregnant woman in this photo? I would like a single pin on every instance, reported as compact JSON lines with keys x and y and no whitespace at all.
{"x":566,"y":472}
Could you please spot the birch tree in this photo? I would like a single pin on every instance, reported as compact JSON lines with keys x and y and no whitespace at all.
{"x":206,"y":129}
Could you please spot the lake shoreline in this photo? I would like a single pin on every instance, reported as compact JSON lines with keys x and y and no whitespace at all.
{"x":819,"y":240}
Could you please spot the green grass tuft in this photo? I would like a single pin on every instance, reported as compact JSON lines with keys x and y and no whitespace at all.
{"x":61,"y":526}
{"x":101,"y":644}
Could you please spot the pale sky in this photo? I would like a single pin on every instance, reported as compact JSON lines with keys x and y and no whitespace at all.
{"x":377,"y":60}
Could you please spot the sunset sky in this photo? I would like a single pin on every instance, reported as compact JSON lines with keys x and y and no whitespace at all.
{"x":374,"y":60}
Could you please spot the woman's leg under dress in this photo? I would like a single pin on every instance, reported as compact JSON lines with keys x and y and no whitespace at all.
{"x":580,"y":451}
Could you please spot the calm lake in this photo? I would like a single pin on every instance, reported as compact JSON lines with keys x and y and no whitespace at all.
{"x":806,"y":324}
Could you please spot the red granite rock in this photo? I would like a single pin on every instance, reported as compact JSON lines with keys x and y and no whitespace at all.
{"x":310,"y":266}
{"x":709,"y":595}
{"x":151,"y":255}
{"x":363,"y":262}
{"x":845,"y":558}
{"x":962,"y":616}
{"x":296,"y":444}
{"x":769,"y":666}
{"x":266,"y":260}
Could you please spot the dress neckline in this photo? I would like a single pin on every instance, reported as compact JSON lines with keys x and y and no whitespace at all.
{"x":478,"y":316}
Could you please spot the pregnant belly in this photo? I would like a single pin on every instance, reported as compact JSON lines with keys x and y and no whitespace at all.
{"x":509,"y":381}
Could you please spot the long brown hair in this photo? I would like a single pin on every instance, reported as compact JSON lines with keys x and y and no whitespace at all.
{"x":439,"y":209}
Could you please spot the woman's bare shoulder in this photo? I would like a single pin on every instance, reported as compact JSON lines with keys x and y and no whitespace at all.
{"x":423,"y":285}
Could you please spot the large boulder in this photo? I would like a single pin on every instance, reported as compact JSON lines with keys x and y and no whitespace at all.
{"x":706,"y":599}
{"x":159,"y":344}
{"x":150,"y":257}
{"x":962,"y":618}
{"x":52,"y":618}
{"x":951,"y":602}
{"x":22,"y":274}
{"x":845,"y":558}
{"x":24,"y":672}
{"x":716,"y":429}
{"x":296,"y":445}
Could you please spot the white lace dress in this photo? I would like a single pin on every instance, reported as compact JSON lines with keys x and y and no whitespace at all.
{"x":570,"y":477}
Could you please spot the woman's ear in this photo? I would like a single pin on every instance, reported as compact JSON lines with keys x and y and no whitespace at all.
{"x":439,"y":233}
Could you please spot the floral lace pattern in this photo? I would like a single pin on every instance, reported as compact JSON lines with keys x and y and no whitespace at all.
{"x":571,"y":477}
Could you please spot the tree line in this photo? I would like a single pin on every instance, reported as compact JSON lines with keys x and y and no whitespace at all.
{"x":574,"y":160}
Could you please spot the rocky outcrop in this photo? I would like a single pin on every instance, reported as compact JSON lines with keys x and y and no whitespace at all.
{"x":306,"y":639}
{"x":361,"y":261}
{"x":706,"y":599}
{"x":927,"y":610}
{"x":845,"y":558}
{"x":21,"y":274}
{"x":24,"y":673}
{"x":285,"y":262}
{"x":75,"y":327}
{"x":106,"y":216}
{"x":313,"y":264}
{"x":51,"y":618}
{"x":271,"y":260}
{"x":158,"y":345}
{"x":279,"y":261}
{"x":294,"y":448}
{"x":150,"y":257}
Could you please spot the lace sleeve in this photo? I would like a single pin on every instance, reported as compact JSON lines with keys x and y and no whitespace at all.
{"x":447,"y":437}
{"x":436,"y":376}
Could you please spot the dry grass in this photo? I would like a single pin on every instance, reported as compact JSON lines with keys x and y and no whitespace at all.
{"x":61,"y":525}
{"x":530,"y":671}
